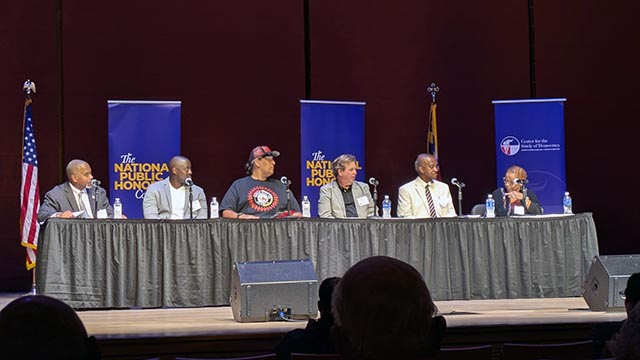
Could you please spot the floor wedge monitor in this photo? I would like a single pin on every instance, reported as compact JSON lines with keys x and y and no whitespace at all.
{"x":607,"y":278}
{"x":274,"y":290}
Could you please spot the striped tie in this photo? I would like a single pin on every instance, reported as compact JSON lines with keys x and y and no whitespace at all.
{"x":432,"y":207}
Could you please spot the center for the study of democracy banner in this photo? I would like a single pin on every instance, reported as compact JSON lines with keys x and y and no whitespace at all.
{"x":143,"y":137}
{"x":530,"y":133}
{"x":327,"y":130}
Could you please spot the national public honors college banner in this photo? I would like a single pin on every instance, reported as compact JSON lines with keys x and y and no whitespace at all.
{"x":530,"y":133}
{"x":143,"y":137}
{"x":327,"y":130}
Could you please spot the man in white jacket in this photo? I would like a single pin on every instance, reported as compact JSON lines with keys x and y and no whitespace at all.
{"x":425,"y":197}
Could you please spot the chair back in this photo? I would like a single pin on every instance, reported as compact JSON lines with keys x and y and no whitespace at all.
{"x":573,"y":350}
{"x":482,"y":352}
{"x":478,"y":209}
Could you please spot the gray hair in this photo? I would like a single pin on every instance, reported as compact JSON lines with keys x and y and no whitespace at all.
{"x":341,"y":161}
{"x":420,"y":158}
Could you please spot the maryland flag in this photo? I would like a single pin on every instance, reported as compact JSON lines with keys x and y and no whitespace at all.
{"x":432,"y":133}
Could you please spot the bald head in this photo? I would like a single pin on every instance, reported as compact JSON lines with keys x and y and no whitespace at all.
{"x":427,"y":167}
{"x":180,"y":170}
{"x":40,"y":327}
{"x":79,"y":173}
{"x":74,"y":166}
{"x":383,"y":309}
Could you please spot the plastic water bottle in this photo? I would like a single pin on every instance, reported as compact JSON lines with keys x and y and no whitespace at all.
{"x":306,"y":207}
{"x":567,"y":203}
{"x":117,"y":209}
{"x":214,"y":208}
{"x":490,"y":206}
{"x":386,"y":207}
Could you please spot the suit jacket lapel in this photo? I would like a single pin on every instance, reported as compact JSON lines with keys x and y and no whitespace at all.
{"x":167,"y":195}
{"x":420,"y":190}
{"x":69,"y":194}
{"x":337,"y":194}
{"x":358,"y":193}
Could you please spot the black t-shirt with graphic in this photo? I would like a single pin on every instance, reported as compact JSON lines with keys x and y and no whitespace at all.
{"x":261,"y":198}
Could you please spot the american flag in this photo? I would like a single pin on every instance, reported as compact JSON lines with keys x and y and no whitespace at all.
{"x":29,"y":190}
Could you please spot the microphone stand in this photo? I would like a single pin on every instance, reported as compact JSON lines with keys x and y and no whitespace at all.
{"x":288,"y":199}
{"x":459,"y":198}
{"x":191,"y":202}
{"x":375,"y":200}
{"x":95,"y":198}
{"x":524,"y":197}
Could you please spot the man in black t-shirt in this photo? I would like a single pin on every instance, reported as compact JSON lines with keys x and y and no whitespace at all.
{"x":257,"y":195}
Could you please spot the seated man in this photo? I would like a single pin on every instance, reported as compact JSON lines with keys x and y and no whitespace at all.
{"x":76,"y":195}
{"x":626,"y":343}
{"x":257,"y":195}
{"x":509,"y":200}
{"x":169,"y":198}
{"x":40,"y":327}
{"x":344,"y":196}
{"x":425,"y":197}
{"x":315,"y":338}
{"x":383,"y":310}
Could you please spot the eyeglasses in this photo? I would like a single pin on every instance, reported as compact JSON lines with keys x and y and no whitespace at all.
{"x":507,"y":181}
{"x":623,"y":295}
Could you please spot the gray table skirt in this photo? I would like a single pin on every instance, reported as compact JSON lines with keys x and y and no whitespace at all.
{"x":144,"y":263}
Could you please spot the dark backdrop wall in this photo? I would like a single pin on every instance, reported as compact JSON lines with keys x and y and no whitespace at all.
{"x":239,"y":70}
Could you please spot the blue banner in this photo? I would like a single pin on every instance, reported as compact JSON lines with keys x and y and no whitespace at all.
{"x":327,"y":130}
{"x":530,"y":134}
{"x":143,"y":137}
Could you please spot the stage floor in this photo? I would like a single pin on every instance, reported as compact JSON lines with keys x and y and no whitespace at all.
{"x":136,"y":333}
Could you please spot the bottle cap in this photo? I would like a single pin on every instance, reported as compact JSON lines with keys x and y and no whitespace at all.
{"x":566,"y":193}
{"x":117,"y":199}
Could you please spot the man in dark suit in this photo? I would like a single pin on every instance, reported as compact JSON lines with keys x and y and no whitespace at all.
{"x":77,"y":197}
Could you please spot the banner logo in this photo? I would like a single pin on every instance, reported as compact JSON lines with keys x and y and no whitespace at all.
{"x":510,"y":146}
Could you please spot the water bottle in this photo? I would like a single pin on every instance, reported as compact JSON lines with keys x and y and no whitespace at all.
{"x":567,"y":203}
{"x":490,"y":206}
{"x":213,"y":208}
{"x":117,"y":209}
{"x":306,"y":207}
{"x":386,"y":207}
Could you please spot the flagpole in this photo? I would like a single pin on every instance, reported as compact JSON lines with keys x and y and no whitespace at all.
{"x":28,"y":87}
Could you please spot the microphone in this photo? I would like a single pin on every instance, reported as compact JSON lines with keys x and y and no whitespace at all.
{"x":285,"y":180}
{"x":373,"y":181}
{"x":95,"y":182}
{"x":458,"y":183}
{"x":188,"y":181}
{"x":520,"y":181}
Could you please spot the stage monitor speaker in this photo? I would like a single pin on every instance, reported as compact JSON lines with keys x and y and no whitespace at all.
{"x":607,"y":277}
{"x":274,"y":290}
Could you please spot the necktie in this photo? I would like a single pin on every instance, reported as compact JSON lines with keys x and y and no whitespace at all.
{"x":87,"y":213}
{"x":432,"y":207}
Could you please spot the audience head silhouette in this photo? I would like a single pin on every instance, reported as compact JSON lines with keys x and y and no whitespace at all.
{"x":382,"y":310}
{"x":41,"y":327}
{"x":632,"y":292}
{"x":325,"y":294}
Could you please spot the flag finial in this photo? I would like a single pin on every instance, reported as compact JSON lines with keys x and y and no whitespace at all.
{"x":29,"y":86}
{"x":433,"y":89}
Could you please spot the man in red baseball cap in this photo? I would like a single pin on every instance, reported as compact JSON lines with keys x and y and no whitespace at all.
{"x":257,"y":195}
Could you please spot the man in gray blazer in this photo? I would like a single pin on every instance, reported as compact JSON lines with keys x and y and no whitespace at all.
{"x":345,"y":197}
{"x":76,"y":195}
{"x":169,"y":198}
